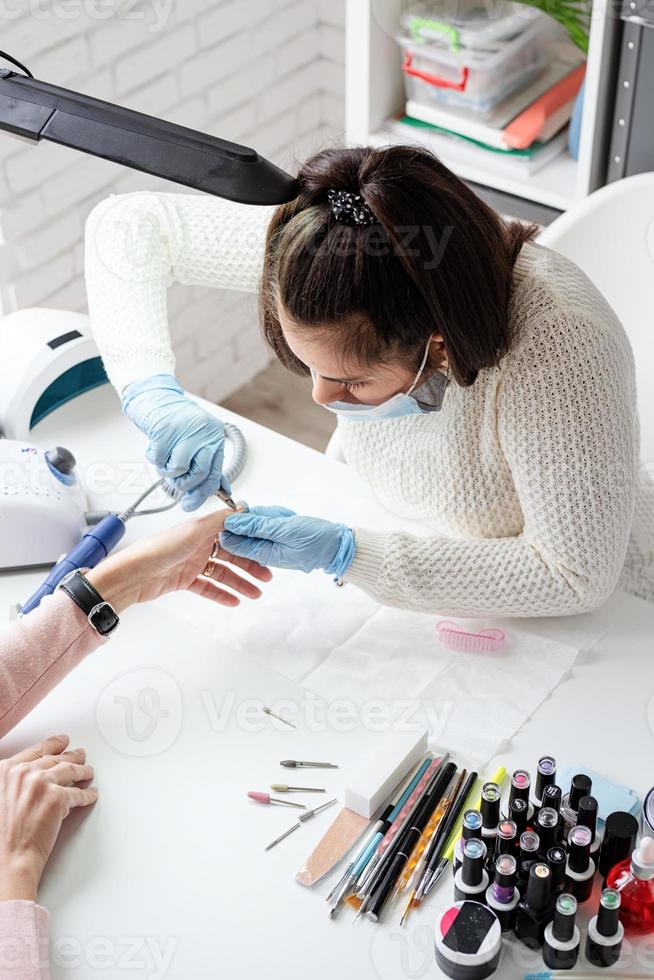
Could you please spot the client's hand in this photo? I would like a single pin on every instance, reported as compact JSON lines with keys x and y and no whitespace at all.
{"x":188,"y":556}
{"x":38,"y":789}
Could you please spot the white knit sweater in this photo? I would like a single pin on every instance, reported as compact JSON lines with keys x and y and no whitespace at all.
{"x":530,"y":479}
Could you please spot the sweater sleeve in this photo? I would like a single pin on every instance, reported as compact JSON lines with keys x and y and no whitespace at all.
{"x":137,"y":245}
{"x":23,"y":941}
{"x":572,"y":447}
{"x":38,"y":651}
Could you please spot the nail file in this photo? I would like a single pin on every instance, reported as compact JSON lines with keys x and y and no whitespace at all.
{"x":379,"y":775}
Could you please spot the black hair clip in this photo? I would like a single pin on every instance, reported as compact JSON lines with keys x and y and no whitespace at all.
{"x":350,"y":208}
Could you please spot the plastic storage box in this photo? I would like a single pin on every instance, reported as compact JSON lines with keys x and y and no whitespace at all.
{"x":472,"y":61}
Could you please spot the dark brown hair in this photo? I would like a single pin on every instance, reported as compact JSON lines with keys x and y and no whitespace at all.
{"x":438,"y":260}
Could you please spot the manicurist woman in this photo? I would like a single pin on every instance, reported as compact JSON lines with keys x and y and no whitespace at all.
{"x":482,"y":384}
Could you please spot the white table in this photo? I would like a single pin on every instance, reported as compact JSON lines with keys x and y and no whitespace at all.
{"x":167,"y":877}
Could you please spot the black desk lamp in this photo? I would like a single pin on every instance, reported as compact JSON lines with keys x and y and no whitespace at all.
{"x":37,"y":110}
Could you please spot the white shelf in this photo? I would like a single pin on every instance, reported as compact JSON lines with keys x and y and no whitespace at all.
{"x":554,"y":185}
{"x":375,"y":94}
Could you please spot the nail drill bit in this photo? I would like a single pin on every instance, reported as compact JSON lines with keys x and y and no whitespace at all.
{"x":283,"y":788}
{"x":265,"y":798}
{"x":281,"y":837}
{"x":272,"y":714}
{"x":302,"y":817}
{"x":295,"y":764}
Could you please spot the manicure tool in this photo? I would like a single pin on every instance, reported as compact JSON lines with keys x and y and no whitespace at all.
{"x":295,"y":764}
{"x":265,"y":798}
{"x":272,"y":714}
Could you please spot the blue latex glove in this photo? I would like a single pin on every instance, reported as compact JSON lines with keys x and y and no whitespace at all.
{"x":277,"y":536}
{"x":186,"y":443}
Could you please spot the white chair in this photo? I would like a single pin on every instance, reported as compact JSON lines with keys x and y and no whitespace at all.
{"x":610,"y":235}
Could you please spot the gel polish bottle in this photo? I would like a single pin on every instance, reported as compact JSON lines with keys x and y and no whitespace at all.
{"x":536,"y":909}
{"x":562,"y":936}
{"x":502,"y":896}
{"x":580,"y":869}
{"x":547,"y":828}
{"x":633,"y":879}
{"x":490,"y":814}
{"x":529,"y":845}
{"x":518,"y":810}
{"x":506,"y":842}
{"x":619,"y":841}
{"x":471,"y":827}
{"x":545,"y":776}
{"x":471,"y":880}
{"x":587,"y":817}
{"x":580,"y":786}
{"x":557,"y":860}
{"x":552,"y":798}
{"x":519,"y":790}
{"x":605,"y":931}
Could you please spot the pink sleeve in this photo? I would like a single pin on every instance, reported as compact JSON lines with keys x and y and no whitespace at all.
{"x":23,"y":941}
{"x":37,"y":652}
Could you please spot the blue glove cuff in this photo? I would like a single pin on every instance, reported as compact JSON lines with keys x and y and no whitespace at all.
{"x":345,"y":554}
{"x":154,"y":383}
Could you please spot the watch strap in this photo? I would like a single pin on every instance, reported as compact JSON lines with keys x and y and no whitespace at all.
{"x":101,"y":614}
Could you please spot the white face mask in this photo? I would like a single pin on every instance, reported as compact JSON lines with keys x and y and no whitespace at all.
{"x":416,"y":401}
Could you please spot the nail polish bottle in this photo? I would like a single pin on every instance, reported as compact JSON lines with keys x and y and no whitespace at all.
{"x":490,"y":814}
{"x":518,"y":811}
{"x":557,"y":859}
{"x":587,"y":817}
{"x":536,"y":909}
{"x":619,"y":841}
{"x":545,"y":776}
{"x":529,"y":844}
{"x":519,"y":790}
{"x":471,"y":827}
{"x":552,"y":798}
{"x":506,"y":842}
{"x":471,"y":880}
{"x":502,"y":896}
{"x":580,"y":869}
{"x":634,"y":880}
{"x":547,"y":828}
{"x":562,"y":936}
{"x":581,"y":785}
{"x":605,"y":931}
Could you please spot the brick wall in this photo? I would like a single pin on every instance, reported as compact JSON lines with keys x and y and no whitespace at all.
{"x":268,"y":73}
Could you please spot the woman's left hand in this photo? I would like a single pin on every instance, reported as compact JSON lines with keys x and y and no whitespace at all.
{"x":277,"y":536}
{"x":187,"y":556}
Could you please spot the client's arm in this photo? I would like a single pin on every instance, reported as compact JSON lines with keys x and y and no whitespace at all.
{"x":38,"y":651}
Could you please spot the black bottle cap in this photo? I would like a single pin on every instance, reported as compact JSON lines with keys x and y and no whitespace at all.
{"x":490,"y":805}
{"x":587,"y":813}
{"x":547,"y":826}
{"x":507,"y":837}
{"x":556,"y":858}
{"x":61,"y":460}
{"x":579,"y":841}
{"x":518,"y":812}
{"x":620,"y":832}
{"x":608,"y":914}
{"x":471,"y":825}
{"x":581,"y":785}
{"x":545,"y":774}
{"x":539,"y":887}
{"x":520,"y":786}
{"x":563,"y":926}
{"x":552,"y":796}
{"x":474,"y":856}
{"x":506,"y":869}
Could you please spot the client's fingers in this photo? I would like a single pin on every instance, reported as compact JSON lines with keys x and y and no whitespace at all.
{"x":67,"y":773}
{"x":251,"y":567}
{"x":53,"y":744}
{"x":224,"y":575}
{"x":71,"y":755}
{"x":209,"y":590}
{"x":78,"y":796}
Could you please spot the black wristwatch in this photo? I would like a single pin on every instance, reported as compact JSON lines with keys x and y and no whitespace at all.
{"x":101,"y":615}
